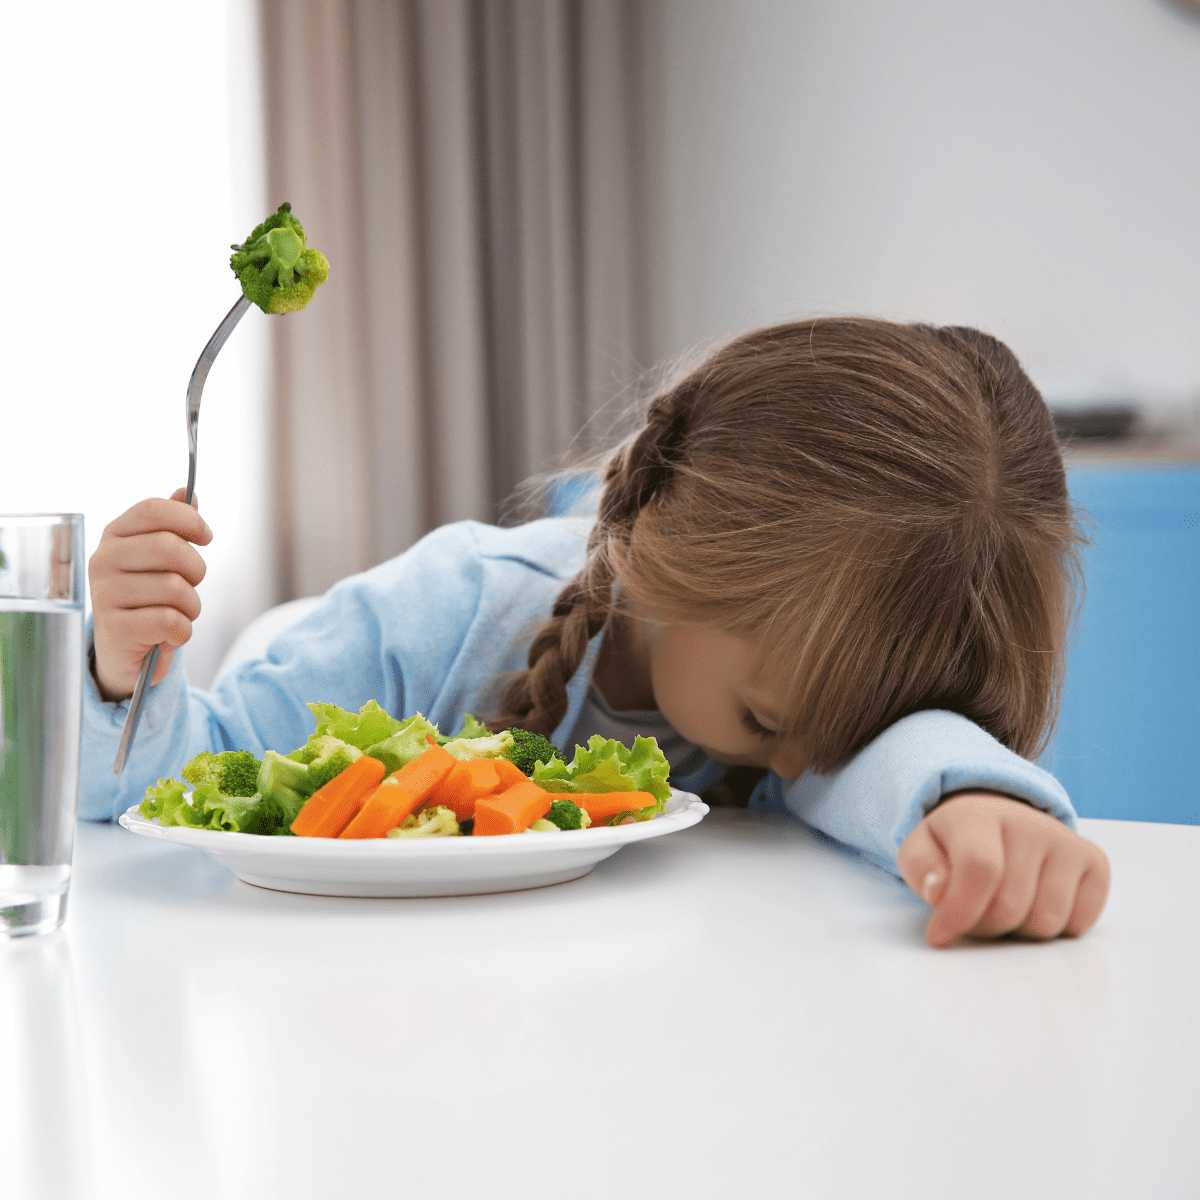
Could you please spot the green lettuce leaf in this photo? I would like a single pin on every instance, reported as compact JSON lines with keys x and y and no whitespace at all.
{"x":370,"y":725}
{"x":472,"y":728}
{"x":209,"y":809}
{"x":408,"y":740}
{"x":165,"y":800}
{"x":221,"y":812}
{"x":605,"y":765}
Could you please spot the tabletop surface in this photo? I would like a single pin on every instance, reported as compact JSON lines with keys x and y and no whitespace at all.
{"x":739,"y":1009}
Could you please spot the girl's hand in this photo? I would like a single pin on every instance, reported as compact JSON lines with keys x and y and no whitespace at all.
{"x":143,"y":581}
{"x":990,"y":865}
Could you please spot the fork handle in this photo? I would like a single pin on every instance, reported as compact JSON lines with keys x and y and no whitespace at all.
{"x":192,"y":414}
{"x":134,"y":715}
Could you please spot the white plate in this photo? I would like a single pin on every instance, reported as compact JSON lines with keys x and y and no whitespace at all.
{"x":456,"y":866}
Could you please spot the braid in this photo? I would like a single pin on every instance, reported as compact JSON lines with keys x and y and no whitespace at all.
{"x":638,"y":471}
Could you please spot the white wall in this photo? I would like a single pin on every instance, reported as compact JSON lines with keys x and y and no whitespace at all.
{"x":133,"y":158}
{"x":1028,"y":166}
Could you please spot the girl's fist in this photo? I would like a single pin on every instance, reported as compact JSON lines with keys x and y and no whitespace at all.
{"x":143,"y":580}
{"x":990,"y":865}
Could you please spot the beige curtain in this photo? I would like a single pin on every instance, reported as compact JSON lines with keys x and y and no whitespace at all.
{"x":475,"y":173}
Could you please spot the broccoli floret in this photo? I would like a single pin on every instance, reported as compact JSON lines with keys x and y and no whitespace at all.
{"x":529,"y":749}
{"x":429,"y":822}
{"x":275,"y":267}
{"x":325,"y":757}
{"x":541,"y":825}
{"x":233,"y":772}
{"x":283,"y":778}
{"x":566,"y":814}
{"x":239,"y":774}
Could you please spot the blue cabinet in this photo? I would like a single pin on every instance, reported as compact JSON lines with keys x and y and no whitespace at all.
{"x":1128,"y":740}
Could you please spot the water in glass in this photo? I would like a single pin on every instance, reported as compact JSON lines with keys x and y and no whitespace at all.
{"x":41,"y":694}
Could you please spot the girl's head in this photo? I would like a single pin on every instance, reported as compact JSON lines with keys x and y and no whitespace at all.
{"x":880,"y":511}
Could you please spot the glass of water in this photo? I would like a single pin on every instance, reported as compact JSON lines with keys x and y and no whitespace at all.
{"x":41,"y":709}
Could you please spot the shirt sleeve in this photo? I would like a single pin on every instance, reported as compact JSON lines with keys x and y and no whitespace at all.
{"x":883,"y":793}
{"x":436,"y":630}
{"x":391,"y":634}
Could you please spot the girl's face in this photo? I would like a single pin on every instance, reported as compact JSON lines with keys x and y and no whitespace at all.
{"x":713,"y":690}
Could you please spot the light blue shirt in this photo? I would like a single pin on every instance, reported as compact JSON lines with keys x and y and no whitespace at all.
{"x":439,"y":629}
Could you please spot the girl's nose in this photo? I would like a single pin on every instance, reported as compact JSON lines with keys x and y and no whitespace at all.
{"x":786,"y":761}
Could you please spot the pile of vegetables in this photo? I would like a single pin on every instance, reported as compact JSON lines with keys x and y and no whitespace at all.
{"x":369,"y":775}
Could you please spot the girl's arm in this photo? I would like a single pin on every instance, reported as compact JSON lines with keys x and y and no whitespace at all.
{"x":429,"y":631}
{"x":902,"y":803}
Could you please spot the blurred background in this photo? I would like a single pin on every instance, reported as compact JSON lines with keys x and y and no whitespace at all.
{"x":556,"y":196}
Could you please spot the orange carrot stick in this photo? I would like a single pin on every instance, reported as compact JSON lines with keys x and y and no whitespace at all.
{"x":602,"y":805}
{"x":467,"y":781}
{"x":419,"y":777}
{"x":331,"y":808}
{"x":384,"y":809}
{"x":512,"y":810}
{"x":510,"y":774}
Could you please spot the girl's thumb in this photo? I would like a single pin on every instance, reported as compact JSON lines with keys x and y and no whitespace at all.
{"x":923,"y":865}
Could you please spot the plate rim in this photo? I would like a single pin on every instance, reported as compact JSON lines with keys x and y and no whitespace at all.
{"x":691,"y":812}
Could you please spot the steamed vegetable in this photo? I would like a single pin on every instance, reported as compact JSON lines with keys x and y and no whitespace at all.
{"x":277,"y":269}
{"x":209,"y":809}
{"x":614,"y":807}
{"x":385,"y":808}
{"x":512,"y":810}
{"x":326,"y":757}
{"x":372,"y":723}
{"x":334,"y":785}
{"x":566,"y":814}
{"x":234,"y":772}
{"x":472,"y":728}
{"x":332,"y":807}
{"x":605,"y":765}
{"x":470,"y":779}
{"x":420,"y":776}
{"x":283,"y":777}
{"x":531,"y":748}
{"x":429,"y":822}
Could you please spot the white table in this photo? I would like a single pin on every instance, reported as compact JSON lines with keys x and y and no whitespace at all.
{"x":737,"y":1010}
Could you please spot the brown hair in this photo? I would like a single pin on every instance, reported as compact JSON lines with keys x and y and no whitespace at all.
{"x":883,"y":505}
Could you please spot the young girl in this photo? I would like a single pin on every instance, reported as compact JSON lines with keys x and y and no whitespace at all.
{"x":838,"y":557}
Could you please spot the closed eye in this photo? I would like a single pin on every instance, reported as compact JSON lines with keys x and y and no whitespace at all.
{"x":756,"y":727}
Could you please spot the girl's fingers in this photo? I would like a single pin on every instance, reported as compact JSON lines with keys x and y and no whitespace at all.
{"x":138,"y":630}
{"x":1015,"y":896}
{"x":976,"y":858}
{"x":1071,"y":893}
{"x":150,"y":589}
{"x":1090,"y":897}
{"x":923,"y":866}
{"x":154,"y":514}
{"x":1055,"y":899}
{"x":157,"y":551}
{"x":128,"y":635}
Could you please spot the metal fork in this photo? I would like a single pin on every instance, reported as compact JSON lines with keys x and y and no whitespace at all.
{"x":192,"y":413}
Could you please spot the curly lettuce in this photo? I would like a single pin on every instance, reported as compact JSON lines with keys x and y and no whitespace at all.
{"x":371,"y":724}
{"x":410,"y":738}
{"x":605,"y":765}
{"x":209,"y":808}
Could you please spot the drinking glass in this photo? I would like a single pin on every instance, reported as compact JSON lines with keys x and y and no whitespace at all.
{"x":41,"y":711}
